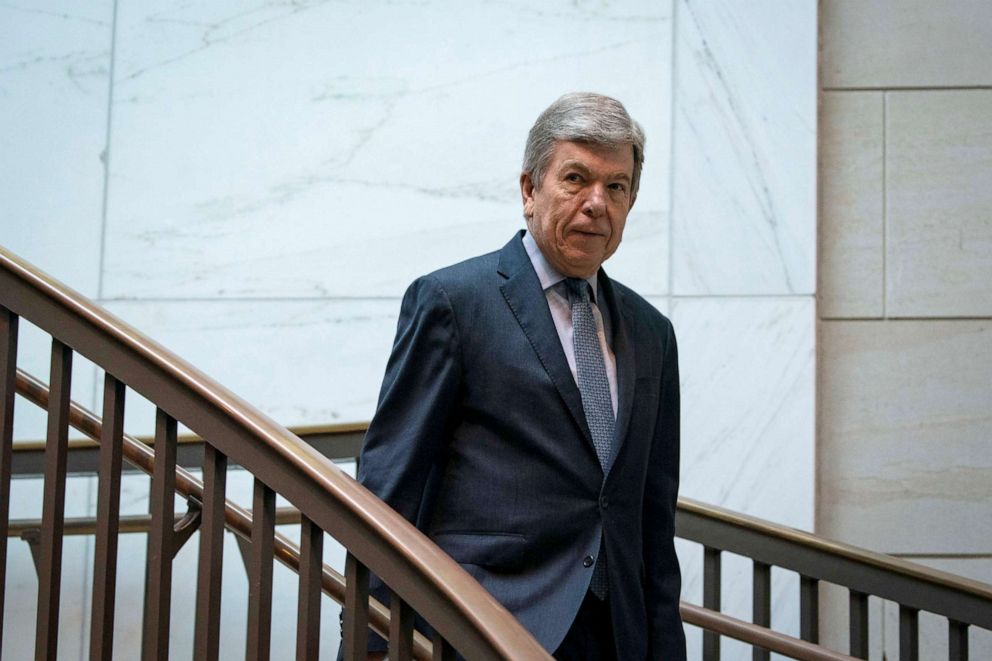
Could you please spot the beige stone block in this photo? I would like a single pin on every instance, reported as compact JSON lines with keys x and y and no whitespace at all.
{"x":906,"y":43}
{"x":939,"y":203}
{"x":904,"y":459}
{"x":851,"y":216}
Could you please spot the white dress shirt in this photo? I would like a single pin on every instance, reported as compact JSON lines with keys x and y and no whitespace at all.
{"x":561,"y":311}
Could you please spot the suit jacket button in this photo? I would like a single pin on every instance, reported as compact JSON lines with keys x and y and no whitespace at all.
{"x":588,"y":561}
{"x":604,"y":502}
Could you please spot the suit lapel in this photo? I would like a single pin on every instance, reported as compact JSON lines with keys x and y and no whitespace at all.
{"x":625,"y":356}
{"x":522,"y":291}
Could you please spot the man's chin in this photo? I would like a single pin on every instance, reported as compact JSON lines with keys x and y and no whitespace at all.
{"x":584,"y":269}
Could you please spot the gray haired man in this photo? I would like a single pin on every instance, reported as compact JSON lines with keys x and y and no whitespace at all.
{"x":528,"y":420}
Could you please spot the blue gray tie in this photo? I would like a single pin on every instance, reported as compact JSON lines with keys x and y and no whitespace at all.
{"x":594,"y":386}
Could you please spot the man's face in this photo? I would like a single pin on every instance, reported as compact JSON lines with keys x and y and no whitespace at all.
{"x":578,"y":213}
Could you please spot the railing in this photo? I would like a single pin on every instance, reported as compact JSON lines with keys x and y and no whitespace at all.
{"x":915,"y":587}
{"x":376,"y":537}
{"x":965,"y":603}
{"x":239,"y":522}
{"x":423,"y":579}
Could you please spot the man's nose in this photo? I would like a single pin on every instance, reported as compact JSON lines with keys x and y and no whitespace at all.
{"x":595,"y":202}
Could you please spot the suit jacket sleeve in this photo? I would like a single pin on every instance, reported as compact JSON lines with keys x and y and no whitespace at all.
{"x":666,"y":639}
{"x":407,"y":435}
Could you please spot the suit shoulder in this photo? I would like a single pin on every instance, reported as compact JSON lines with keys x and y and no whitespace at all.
{"x":464,"y":277}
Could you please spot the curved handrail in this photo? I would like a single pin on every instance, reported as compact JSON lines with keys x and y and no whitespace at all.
{"x":432,"y":583}
{"x":743,"y":524}
{"x":757,"y":635}
{"x":908,"y":583}
{"x":238,"y":521}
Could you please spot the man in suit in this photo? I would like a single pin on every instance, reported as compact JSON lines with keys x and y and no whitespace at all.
{"x":528,"y":421}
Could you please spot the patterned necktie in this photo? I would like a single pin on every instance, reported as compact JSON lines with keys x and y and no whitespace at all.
{"x":594,"y":386}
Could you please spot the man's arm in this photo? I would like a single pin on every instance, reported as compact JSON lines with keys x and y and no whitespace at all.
{"x":406,"y":437}
{"x":663,"y":580}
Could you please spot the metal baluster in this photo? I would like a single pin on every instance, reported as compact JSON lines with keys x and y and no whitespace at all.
{"x":761,"y":603}
{"x":859,"y":624}
{"x":909,"y":633}
{"x":809,"y":609}
{"x":8,"y":376}
{"x":263,"y":521}
{"x":158,"y":588}
{"x":443,"y":651}
{"x":108,"y":510}
{"x":400,"y":629}
{"x":206,"y":643}
{"x":356,"y":610}
{"x":957,"y":648}
{"x":308,"y":610}
{"x":53,"y":510}
{"x":711,"y":600}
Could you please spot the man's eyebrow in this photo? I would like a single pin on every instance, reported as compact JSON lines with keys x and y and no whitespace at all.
{"x":579,"y":165}
{"x":573,"y":165}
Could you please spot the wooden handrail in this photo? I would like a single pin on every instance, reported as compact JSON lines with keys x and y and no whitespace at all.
{"x":904,"y":582}
{"x":303,"y":432}
{"x":689,"y":508}
{"x":415,"y":568}
{"x":385,"y":542}
{"x":756,"y":635}
{"x":237,"y":519}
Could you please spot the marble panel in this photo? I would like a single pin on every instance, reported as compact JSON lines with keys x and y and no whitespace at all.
{"x":54,"y":80}
{"x":332,"y":149}
{"x":939,"y":203}
{"x":905,"y":432}
{"x":851,"y":273}
{"x":301,"y":362}
{"x":906,"y":43}
{"x":747,"y":372}
{"x":744,"y":148}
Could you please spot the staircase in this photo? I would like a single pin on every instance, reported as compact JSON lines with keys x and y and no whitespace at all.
{"x":463,"y":618}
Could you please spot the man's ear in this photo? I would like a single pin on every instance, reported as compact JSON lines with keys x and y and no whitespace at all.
{"x":527,"y":194}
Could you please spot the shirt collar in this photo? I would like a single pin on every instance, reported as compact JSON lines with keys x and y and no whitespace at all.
{"x":546,"y":273}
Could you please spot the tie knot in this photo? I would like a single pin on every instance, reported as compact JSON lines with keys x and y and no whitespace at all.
{"x":578,"y":289}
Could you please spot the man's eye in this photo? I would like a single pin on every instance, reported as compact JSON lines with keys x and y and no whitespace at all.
{"x":618,"y":187}
{"x":573,"y":177}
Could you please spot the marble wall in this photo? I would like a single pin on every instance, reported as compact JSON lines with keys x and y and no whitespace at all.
{"x":254,"y":184}
{"x":905,"y":293}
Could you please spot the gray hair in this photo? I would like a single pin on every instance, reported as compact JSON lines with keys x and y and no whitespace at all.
{"x":583,"y":117}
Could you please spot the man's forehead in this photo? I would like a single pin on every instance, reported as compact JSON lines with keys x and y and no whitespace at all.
{"x":569,"y":153}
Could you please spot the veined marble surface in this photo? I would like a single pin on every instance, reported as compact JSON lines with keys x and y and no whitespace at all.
{"x":301,"y":362}
{"x":330,"y":149}
{"x":744,"y":153}
{"x":280,"y":172}
{"x":747,"y":369}
{"x":54,"y":78}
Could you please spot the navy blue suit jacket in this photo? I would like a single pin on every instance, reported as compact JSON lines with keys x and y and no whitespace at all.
{"x":481,"y":440}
